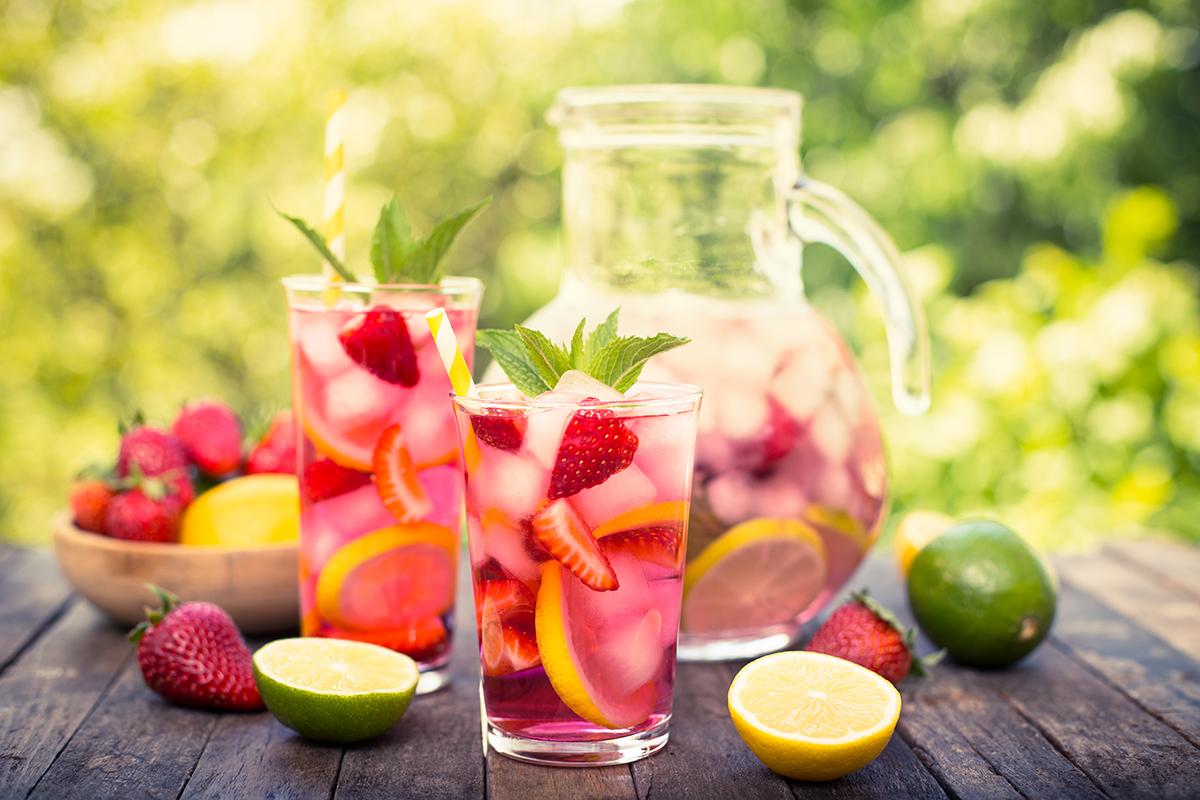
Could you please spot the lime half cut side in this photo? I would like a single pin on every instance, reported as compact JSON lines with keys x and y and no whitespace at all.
{"x":333,"y":690}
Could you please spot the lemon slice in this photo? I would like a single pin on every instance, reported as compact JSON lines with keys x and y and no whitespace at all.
{"x":917,"y":529}
{"x":333,"y":690}
{"x":395,"y":574}
{"x":813,"y":717}
{"x":249,"y":511}
{"x":762,"y":572}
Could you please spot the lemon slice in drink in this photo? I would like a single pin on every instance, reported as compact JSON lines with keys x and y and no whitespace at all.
{"x":762,"y":572}
{"x":813,"y":717}
{"x":333,"y":690}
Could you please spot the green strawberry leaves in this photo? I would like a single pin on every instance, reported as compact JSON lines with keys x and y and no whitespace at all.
{"x":398,"y":256}
{"x":534,"y":363}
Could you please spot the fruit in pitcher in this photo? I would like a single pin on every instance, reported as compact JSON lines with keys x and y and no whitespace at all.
{"x":811,"y":716}
{"x":865,"y":632}
{"x":595,"y":446}
{"x":399,"y":573}
{"x":324,"y":478}
{"x":396,"y":478}
{"x":332,"y":690}
{"x":762,"y":572}
{"x":193,"y":654}
{"x":379,"y":342}
{"x":559,"y":529}
{"x":979,"y":591}
{"x":211,"y":435}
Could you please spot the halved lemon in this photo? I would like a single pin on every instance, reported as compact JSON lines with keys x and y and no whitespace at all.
{"x":395,"y":574}
{"x":813,"y":717}
{"x":917,"y":529}
{"x":762,"y":572}
{"x":333,"y":690}
{"x":249,"y":511}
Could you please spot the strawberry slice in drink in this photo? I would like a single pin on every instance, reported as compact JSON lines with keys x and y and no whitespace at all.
{"x":505,"y":647}
{"x":396,"y":478}
{"x":561,"y":531}
{"x":379,"y":342}
{"x":595,"y":446}
{"x":510,"y":598}
{"x":651,"y":533}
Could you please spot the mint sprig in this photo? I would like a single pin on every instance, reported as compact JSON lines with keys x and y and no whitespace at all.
{"x":534,"y":363}
{"x":397,"y":256}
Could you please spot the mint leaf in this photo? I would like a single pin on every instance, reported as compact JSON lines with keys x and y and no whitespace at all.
{"x":392,"y":243}
{"x":318,"y":241}
{"x":578,"y":353}
{"x":620,"y":362}
{"x":510,"y":353}
{"x":598,"y":339}
{"x":549,"y":359}
{"x":424,"y":264}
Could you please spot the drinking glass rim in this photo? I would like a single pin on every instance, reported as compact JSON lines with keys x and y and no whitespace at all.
{"x":582,"y":98}
{"x":682,"y":395}
{"x":458,"y":285}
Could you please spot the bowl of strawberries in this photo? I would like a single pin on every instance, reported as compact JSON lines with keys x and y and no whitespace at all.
{"x":191,"y":508}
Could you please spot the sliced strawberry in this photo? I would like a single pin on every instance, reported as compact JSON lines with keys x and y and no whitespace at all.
{"x":507,"y":649}
{"x":559,"y":528}
{"x":657,"y":544}
{"x":396,"y":478}
{"x":323,"y":479}
{"x":509,"y":598}
{"x":499,"y":428}
{"x":781,"y":433}
{"x":378,"y":340}
{"x":595,"y":446}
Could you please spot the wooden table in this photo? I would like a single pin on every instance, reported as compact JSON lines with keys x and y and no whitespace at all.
{"x":1108,"y":707}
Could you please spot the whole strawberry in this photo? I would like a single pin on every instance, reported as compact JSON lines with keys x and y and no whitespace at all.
{"x":865,"y":632}
{"x":90,"y":498}
{"x":211,"y":435}
{"x":150,"y":451}
{"x":145,"y":513}
{"x":276,"y":451}
{"x":193,"y":654}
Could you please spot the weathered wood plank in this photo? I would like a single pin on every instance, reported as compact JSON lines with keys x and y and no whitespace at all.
{"x":515,"y":780}
{"x":1177,"y":562}
{"x":1137,"y":663}
{"x":973,"y":740}
{"x":32,"y":594}
{"x":704,"y":752}
{"x":252,"y":755}
{"x":435,"y":751}
{"x":896,"y":773}
{"x":133,"y":745}
{"x":50,"y":689}
{"x":1168,"y":613}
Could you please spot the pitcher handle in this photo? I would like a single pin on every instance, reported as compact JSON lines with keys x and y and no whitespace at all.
{"x":819,"y":213}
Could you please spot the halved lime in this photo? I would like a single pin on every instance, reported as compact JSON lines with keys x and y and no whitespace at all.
{"x":334,"y":690}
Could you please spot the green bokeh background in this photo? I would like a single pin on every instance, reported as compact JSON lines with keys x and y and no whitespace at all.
{"x":1038,"y":163}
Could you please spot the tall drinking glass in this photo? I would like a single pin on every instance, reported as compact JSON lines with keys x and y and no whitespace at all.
{"x":379,"y":463}
{"x":577,"y":593}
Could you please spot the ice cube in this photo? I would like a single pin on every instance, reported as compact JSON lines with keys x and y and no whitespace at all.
{"x":832,"y":488}
{"x":475,"y":544}
{"x":746,"y":357}
{"x":430,"y":432}
{"x":356,"y":399}
{"x":443,"y":486}
{"x":332,"y":523}
{"x":544,"y":432}
{"x":666,"y":447}
{"x":624,"y":491}
{"x":509,"y":483}
{"x":831,"y":434}
{"x":667,"y":600}
{"x":743,"y":413}
{"x":639,"y":645}
{"x":850,"y":396}
{"x":623,"y":606}
{"x":730,"y":495}
{"x":801,"y":387}
{"x":714,"y":452}
{"x":318,"y":338}
{"x":507,"y":541}
{"x":779,"y":496}
{"x":575,"y":382}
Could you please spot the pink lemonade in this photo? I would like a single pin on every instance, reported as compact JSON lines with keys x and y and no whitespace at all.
{"x":577,"y":513}
{"x":378,"y":464}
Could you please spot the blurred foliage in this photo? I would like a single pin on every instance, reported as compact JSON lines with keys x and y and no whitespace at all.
{"x":1037,"y":161}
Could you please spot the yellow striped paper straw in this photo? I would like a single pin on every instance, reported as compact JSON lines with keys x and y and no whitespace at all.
{"x":451,"y":353}
{"x":334,"y":222}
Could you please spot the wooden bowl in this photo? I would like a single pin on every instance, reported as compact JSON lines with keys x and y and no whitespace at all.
{"x":258,"y":586}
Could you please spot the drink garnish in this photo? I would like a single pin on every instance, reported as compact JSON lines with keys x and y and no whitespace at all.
{"x":398,"y":256}
{"x":534,"y":363}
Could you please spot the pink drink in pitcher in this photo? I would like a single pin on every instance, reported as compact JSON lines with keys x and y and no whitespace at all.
{"x":378,"y":464}
{"x":577,"y":507}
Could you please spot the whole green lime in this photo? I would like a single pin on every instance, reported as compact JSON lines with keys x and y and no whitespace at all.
{"x":981,"y":593}
{"x":333,"y":690}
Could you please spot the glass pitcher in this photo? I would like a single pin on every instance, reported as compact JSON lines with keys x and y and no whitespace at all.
{"x":686,"y":207}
